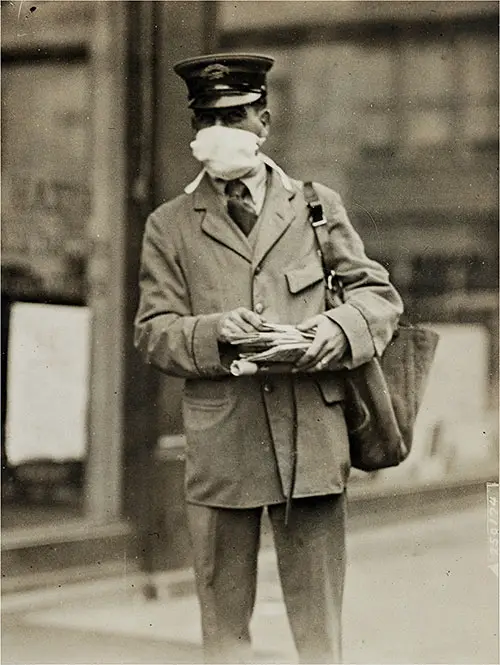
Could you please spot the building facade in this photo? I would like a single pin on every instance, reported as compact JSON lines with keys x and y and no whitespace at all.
{"x":395,"y":105}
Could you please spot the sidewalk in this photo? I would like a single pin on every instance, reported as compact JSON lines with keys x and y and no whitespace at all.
{"x":417,"y":592}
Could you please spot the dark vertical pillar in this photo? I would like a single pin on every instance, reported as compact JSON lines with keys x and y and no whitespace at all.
{"x":185,"y":29}
{"x":140,"y":392}
{"x":159,"y":165}
{"x":210,"y":32}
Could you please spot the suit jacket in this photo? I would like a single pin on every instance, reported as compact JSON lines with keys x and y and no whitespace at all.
{"x":196,"y":265}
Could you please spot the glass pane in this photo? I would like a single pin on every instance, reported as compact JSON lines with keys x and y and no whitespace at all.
{"x":480,"y":72}
{"x":481,"y":123}
{"x":428,"y":72}
{"x":377,"y":129}
{"x":378,"y":74}
{"x":45,"y":193}
{"x":482,"y":272}
{"x":428,"y":127}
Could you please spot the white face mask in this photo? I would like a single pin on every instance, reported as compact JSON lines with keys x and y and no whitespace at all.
{"x":226,"y":152}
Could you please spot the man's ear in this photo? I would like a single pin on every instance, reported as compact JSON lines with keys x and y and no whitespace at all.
{"x":265,"y":118}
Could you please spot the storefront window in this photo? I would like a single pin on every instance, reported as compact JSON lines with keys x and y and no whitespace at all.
{"x":45,"y":324}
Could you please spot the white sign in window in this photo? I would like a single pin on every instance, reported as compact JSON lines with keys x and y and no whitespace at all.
{"x":48,"y":377}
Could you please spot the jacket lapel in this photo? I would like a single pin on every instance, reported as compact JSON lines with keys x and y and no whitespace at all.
{"x":216,"y":222}
{"x":277,"y":215}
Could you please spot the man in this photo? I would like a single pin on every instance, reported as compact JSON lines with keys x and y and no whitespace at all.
{"x":235,"y":250}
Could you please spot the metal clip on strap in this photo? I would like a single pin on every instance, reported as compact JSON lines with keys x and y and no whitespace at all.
{"x":316,"y":215}
{"x":331,"y":281}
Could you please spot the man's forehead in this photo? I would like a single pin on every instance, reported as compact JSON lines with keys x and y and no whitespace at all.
{"x":241,"y":110}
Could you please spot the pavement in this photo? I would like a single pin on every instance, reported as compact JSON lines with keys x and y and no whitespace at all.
{"x":418,"y":591}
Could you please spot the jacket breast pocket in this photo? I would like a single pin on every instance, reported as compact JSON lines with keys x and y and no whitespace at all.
{"x":303,"y":275}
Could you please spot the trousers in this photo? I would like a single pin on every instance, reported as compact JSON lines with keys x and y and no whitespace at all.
{"x":310,"y":551}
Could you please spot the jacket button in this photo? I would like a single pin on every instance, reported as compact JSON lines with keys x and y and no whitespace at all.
{"x":257,"y":270}
{"x":259,"y":308}
{"x":268,"y":387}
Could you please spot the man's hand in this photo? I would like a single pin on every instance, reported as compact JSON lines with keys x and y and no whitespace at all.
{"x":236,"y":323}
{"x":328,"y":347}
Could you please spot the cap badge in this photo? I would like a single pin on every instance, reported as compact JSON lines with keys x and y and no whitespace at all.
{"x":214,"y":72}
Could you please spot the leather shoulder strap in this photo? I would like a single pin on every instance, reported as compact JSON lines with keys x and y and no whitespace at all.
{"x":320,"y":227}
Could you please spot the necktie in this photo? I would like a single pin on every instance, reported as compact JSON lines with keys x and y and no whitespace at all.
{"x":239,"y":206}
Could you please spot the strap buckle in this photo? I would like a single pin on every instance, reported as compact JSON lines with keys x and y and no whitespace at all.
{"x":317,"y":216}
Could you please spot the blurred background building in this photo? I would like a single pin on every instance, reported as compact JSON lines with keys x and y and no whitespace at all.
{"x":394,"y":104}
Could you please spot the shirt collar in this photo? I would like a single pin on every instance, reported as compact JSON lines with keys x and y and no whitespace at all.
{"x":251,"y":181}
{"x":256,"y":182}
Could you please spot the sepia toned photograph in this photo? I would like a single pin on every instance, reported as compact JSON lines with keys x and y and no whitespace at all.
{"x":250,"y":332}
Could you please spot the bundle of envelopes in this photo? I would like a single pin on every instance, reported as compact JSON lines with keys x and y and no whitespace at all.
{"x":276,"y":348}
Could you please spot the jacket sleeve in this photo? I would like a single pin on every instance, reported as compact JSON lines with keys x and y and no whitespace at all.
{"x":372,"y":306}
{"x":167,"y":335}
